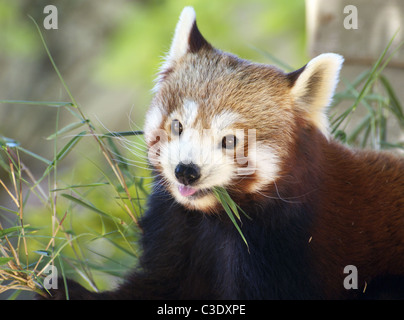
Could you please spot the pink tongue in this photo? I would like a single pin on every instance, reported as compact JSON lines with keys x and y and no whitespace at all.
{"x":186,"y":191}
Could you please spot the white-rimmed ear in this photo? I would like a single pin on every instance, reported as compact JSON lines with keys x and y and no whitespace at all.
{"x":187,"y":37}
{"x":313,"y":87}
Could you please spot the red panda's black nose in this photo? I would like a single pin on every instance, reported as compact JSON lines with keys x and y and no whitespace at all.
{"x":187,"y":173}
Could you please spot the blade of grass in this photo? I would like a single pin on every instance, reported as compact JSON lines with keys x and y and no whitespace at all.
{"x":8,"y":231}
{"x":5,"y":260}
{"x":63,"y":153}
{"x":394,"y":105}
{"x":89,"y":206}
{"x":399,"y":145}
{"x":74,"y":103}
{"x":230,"y":207}
{"x":122,"y":134}
{"x":34,"y":155}
{"x":374,"y":72}
{"x":75,"y":186}
{"x":55,"y":104}
{"x":70,"y":127}
{"x":359,"y":128}
{"x":8,"y":210}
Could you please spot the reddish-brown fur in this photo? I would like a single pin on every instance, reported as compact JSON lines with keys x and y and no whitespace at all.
{"x":357,"y":198}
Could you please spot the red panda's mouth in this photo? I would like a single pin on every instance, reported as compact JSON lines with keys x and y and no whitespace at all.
{"x":191,"y":192}
{"x":186,"y":191}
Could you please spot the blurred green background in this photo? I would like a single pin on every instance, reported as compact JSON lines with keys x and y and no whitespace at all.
{"x":108,"y":53}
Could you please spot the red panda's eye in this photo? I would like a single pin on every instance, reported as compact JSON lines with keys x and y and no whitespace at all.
{"x":176,"y":127}
{"x":229,"y":142}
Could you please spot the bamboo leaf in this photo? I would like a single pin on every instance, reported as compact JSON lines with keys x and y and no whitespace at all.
{"x":75,"y":186}
{"x":399,"y":145}
{"x":69,"y":146}
{"x":9,"y":210}
{"x":8,"y":231}
{"x":362,"y":125}
{"x":7,"y":142}
{"x":68,"y":128}
{"x":122,"y":134}
{"x":74,"y":103}
{"x":231,"y":216}
{"x":45,"y":253}
{"x":225,"y":198}
{"x":395,"y":105}
{"x":5,"y":232}
{"x":90,"y":207}
{"x":5,"y":260}
{"x":374,"y":73}
{"x":55,"y":104}
{"x":230,"y":207}
{"x":64,"y":152}
{"x":34,"y":155}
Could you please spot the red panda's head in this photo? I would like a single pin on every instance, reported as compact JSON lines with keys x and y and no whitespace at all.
{"x":219,"y":121}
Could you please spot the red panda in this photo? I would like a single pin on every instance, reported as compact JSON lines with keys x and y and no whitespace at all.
{"x":315,"y":206}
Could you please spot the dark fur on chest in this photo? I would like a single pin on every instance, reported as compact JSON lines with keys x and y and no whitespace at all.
{"x":199,"y":256}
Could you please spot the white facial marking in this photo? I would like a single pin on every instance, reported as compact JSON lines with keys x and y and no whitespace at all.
{"x":153,"y":120}
{"x":223,"y":120}
{"x":266,"y":164}
{"x":203,"y":147}
{"x":190,"y":113}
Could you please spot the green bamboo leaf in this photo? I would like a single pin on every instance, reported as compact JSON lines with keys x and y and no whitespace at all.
{"x":68,"y":128}
{"x":7,"y":142}
{"x":9,"y":210}
{"x":90,"y":207}
{"x":374,"y":73}
{"x":395,"y":105}
{"x":5,"y":260}
{"x":122,"y":134}
{"x":366,"y":135}
{"x":8,"y":231}
{"x":115,"y":244}
{"x":225,"y":198}
{"x":69,"y":146}
{"x":74,"y":103}
{"x":55,"y":104}
{"x":399,"y":145}
{"x":5,"y":232}
{"x":34,"y":155}
{"x":121,"y":160}
{"x":45,"y":253}
{"x":76,"y":186}
{"x":231,"y":216}
{"x":340,"y":135}
{"x":382,"y":129}
{"x":359,"y":128}
{"x":359,"y":79}
{"x":336,"y":123}
{"x":230,"y":207}
{"x":64,"y":152}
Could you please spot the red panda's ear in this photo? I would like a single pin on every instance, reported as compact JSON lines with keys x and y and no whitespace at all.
{"x":187,"y":37}
{"x":313,"y":87}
